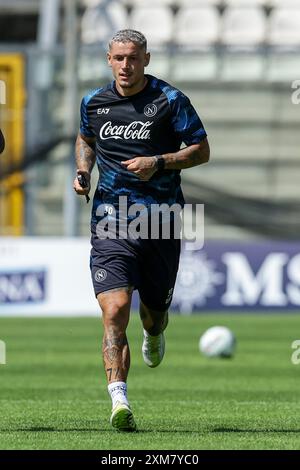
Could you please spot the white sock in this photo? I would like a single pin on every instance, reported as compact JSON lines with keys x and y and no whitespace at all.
{"x":118,"y":392}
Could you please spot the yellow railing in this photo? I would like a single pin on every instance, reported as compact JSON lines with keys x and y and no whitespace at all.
{"x":12,"y":125}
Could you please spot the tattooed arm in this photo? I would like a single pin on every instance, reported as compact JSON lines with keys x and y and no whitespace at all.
{"x":145,"y":167}
{"x":85,"y":160}
{"x":188,"y":157}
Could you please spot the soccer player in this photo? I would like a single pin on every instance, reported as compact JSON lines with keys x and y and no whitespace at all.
{"x":134,"y":128}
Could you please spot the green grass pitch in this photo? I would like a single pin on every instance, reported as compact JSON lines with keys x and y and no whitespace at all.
{"x":53,"y":392}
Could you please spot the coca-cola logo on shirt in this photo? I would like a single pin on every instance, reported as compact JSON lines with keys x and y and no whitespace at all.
{"x":135,"y":130}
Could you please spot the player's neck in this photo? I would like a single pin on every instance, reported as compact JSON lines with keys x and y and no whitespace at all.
{"x":134,"y":90}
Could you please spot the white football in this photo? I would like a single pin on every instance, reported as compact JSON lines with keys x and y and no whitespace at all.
{"x":217,"y":341}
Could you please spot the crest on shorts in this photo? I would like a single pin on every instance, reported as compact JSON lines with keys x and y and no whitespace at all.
{"x":150,"y":110}
{"x":100,"y":275}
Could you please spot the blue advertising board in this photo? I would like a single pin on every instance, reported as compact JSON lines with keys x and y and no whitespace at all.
{"x":238,"y":276}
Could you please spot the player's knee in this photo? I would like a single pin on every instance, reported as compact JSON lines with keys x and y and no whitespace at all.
{"x":115,"y":308}
{"x":116,"y":316}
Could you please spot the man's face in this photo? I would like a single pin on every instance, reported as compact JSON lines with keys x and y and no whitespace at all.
{"x":128,"y":61}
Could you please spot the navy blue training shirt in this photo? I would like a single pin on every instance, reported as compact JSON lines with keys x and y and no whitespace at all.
{"x":152,"y":122}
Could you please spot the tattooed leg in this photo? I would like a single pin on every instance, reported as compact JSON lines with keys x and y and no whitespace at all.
{"x":116,"y":356}
{"x":115,"y":305}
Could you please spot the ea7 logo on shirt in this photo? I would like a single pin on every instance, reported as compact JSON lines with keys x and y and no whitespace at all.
{"x":103,"y":110}
{"x":150,"y":110}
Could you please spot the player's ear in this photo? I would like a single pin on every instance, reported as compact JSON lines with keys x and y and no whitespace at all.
{"x":108,"y":56}
{"x":147,"y":58}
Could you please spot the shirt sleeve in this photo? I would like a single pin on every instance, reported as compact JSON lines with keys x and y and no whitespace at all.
{"x":186,"y":122}
{"x":85,"y":128}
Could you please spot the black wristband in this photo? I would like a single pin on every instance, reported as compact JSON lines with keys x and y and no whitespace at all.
{"x":160,"y":162}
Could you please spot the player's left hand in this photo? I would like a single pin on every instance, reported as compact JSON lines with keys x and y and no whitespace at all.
{"x":143,"y":167}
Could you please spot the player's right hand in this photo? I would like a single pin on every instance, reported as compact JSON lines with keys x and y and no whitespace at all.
{"x":82,"y":190}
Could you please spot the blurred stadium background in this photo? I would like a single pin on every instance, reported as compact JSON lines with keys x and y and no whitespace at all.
{"x":238,"y":61}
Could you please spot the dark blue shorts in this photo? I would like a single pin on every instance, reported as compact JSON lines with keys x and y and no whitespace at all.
{"x":150,"y":266}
